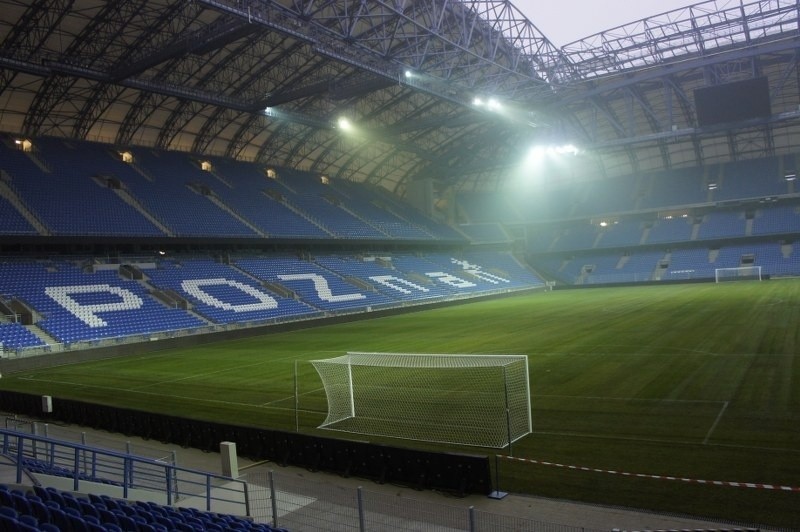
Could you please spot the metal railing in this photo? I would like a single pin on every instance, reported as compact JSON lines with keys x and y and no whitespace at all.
{"x":296,"y":503}
{"x":83,"y":468}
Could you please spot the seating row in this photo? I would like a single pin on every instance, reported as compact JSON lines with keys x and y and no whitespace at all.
{"x":52,"y":510}
{"x":84,"y":188}
{"x":668,"y":189}
{"x":75,"y":304}
{"x":774,"y":258}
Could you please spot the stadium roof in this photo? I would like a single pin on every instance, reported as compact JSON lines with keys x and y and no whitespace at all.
{"x":269,"y":80}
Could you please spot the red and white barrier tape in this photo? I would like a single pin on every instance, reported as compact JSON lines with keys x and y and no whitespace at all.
{"x":752,"y":485}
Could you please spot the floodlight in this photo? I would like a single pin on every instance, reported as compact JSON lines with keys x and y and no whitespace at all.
{"x":344,"y":124}
{"x":477,"y":102}
{"x":493,"y":105}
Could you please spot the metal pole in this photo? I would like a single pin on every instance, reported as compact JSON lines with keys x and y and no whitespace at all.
{"x":296,"y":400}
{"x":361,"y":525}
{"x":471,"y":519}
{"x":175,"y":473}
{"x":272,"y":498}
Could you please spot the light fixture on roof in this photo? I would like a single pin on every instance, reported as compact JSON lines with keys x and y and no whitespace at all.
{"x":344,"y":124}
{"x":492,"y":104}
{"x":712,"y":186}
{"x":791,"y":176}
{"x":24,"y":144}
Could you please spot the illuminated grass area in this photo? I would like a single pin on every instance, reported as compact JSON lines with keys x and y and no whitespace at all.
{"x":699,"y":381}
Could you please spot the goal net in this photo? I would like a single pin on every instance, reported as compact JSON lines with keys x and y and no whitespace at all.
{"x":479,"y":400}
{"x":742,"y":273}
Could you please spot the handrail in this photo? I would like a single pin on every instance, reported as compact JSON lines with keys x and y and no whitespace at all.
{"x":123,"y":475}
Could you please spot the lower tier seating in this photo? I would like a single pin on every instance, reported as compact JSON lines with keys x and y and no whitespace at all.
{"x":51,"y":510}
{"x":75,"y":302}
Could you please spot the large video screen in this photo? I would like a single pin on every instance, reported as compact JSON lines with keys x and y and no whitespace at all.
{"x":733,"y":102}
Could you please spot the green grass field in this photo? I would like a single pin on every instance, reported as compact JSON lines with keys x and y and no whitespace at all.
{"x":699,"y":381}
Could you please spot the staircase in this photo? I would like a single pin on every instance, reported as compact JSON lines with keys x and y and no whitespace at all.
{"x":9,"y":194}
{"x":126,"y":196}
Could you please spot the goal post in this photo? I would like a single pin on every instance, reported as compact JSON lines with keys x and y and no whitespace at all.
{"x":475,"y":400}
{"x":741,"y":273}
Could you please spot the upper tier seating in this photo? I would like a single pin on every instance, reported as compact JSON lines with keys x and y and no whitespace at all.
{"x":670,"y":230}
{"x":485,"y":233}
{"x":726,"y":224}
{"x":263,"y":201}
{"x":359,"y":200}
{"x":12,"y":222}
{"x":623,"y":233}
{"x":755,"y":178}
{"x":84,"y":188}
{"x":66,"y":199}
{"x":776,"y":220}
{"x":170,"y":197}
{"x":576,"y":237}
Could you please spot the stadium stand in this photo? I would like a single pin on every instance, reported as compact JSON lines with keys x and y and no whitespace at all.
{"x":17,"y":336}
{"x":263,"y":201}
{"x":653,"y":220}
{"x":74,"y":305}
{"x":488,"y":233}
{"x":672,"y":229}
{"x":673,"y":188}
{"x":621,"y":234}
{"x":11,"y":221}
{"x":50,"y":509}
{"x":65,"y":195}
{"x":84,"y":301}
{"x":756,"y":178}
{"x":722,"y":225}
{"x":575,"y":237}
{"x":776,"y":220}
{"x":223,"y":295}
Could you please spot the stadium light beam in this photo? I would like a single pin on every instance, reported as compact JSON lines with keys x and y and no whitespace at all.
{"x":345,"y":124}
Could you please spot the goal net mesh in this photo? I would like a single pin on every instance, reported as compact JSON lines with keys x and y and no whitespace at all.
{"x":479,"y":400}
{"x":741,"y":273}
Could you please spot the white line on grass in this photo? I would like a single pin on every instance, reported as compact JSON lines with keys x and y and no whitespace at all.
{"x":596,"y":398}
{"x":291,"y":397}
{"x":234,"y":368}
{"x":661,"y":441}
{"x":716,"y":421}
{"x":171,"y":396}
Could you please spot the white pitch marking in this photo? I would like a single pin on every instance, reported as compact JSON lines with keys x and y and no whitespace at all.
{"x":716,"y":421}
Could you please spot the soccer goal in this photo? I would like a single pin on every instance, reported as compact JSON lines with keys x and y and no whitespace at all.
{"x":477,"y":400}
{"x":742,"y":273}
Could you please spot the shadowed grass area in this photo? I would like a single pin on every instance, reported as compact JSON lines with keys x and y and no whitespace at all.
{"x":698,"y":381}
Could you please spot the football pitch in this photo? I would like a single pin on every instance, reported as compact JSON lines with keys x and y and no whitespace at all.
{"x":700,"y":382}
